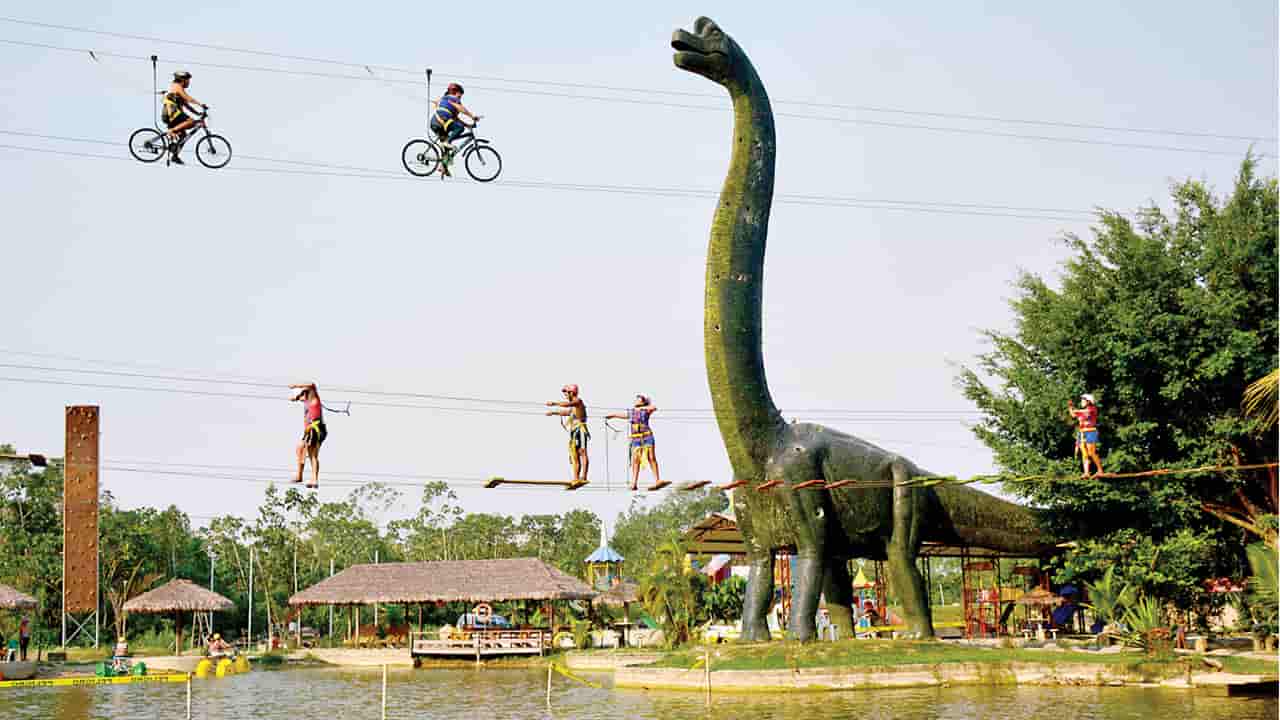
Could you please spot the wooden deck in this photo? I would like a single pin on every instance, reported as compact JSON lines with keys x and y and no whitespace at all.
{"x":480,"y":643}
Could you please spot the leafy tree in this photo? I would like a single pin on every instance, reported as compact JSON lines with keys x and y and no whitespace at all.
{"x":31,"y":536}
{"x":672,"y":593}
{"x":1167,"y":319}
{"x":723,"y":601}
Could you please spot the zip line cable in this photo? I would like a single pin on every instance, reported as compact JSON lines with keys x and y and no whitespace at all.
{"x":665,"y":106}
{"x":369,"y":67}
{"x":533,"y":407}
{"x":347,"y":171}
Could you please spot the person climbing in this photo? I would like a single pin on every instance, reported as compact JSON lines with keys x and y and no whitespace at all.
{"x":447,"y":124}
{"x":576,"y":410}
{"x":1087,"y":418}
{"x":642,"y":446}
{"x":313,"y":433}
{"x":177,"y":101}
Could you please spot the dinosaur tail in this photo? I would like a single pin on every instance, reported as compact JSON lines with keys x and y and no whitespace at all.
{"x":972,"y":517}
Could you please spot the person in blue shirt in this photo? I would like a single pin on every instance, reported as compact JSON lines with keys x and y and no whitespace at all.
{"x":447,"y":124}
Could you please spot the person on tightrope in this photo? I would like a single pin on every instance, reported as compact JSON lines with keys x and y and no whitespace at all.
{"x":642,"y":446}
{"x":1087,"y":419}
{"x":576,"y":410}
{"x":177,"y":101}
{"x":446,"y":122}
{"x":313,"y":433}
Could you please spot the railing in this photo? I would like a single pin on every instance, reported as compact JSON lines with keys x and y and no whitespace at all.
{"x":481,"y":642}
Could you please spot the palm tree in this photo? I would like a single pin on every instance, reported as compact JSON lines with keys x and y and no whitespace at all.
{"x":669,"y":594}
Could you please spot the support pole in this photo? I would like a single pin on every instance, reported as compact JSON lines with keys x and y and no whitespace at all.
{"x":250,"y":637}
{"x":188,"y":696}
{"x":706,"y":667}
{"x":549,"y":684}
{"x":155,"y":93}
{"x":384,"y":691}
{"x":330,"y":606}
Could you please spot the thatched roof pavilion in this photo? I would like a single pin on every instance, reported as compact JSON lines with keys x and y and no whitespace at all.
{"x":445,"y":581}
{"x":11,"y":599}
{"x":178,"y":596}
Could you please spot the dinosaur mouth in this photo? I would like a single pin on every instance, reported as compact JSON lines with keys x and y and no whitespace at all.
{"x":692,"y":53}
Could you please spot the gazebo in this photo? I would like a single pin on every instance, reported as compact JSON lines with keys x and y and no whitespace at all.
{"x":604,"y":564}
{"x":11,"y":599}
{"x":178,"y":596}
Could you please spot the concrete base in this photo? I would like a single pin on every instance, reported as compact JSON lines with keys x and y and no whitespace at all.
{"x":170,"y":663}
{"x":821,"y":679}
{"x":17,"y":670}
{"x":347,"y":657}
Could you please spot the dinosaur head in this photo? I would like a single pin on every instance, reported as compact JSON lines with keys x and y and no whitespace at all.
{"x":709,"y":52}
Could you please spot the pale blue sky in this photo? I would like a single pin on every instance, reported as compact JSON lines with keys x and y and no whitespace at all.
{"x":507,"y":291}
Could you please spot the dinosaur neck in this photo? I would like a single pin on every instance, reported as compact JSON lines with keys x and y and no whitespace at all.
{"x":748,"y":419}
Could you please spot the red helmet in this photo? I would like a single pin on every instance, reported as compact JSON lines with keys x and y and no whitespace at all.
{"x":453,"y":88}
{"x":570,"y":388}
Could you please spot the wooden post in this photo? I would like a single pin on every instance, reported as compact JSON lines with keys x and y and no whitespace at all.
{"x":384,"y":691}
{"x":356,"y":610}
{"x":548,"y":684}
{"x":476,"y":639}
{"x":177,"y":633}
{"x":706,"y":666}
{"x":188,"y":696}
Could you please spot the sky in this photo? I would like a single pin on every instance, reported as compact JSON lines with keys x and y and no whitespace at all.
{"x":274,"y":271}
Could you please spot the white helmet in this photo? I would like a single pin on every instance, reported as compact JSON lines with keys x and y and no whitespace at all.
{"x":1089,"y":399}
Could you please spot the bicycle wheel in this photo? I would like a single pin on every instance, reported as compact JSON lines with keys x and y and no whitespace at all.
{"x":147,"y":145}
{"x":420,"y":157}
{"x":213,"y":151}
{"x":483,"y":163}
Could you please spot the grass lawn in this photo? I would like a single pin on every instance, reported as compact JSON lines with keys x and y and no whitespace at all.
{"x":882,"y":653}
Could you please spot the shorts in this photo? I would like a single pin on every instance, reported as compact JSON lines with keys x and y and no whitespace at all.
{"x":578,"y":437}
{"x":1089,"y":437}
{"x":456,"y":128}
{"x":176,"y":119}
{"x":639,"y":443}
{"x":314,"y":435}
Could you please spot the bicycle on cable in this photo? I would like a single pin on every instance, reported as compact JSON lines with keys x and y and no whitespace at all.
{"x":183,"y":122}
{"x":422,"y":157}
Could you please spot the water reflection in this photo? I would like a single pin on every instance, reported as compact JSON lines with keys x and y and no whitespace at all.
{"x":333,"y":694}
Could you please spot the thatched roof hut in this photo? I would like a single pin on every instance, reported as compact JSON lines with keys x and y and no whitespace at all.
{"x":445,"y":581}
{"x":178,"y":596}
{"x":11,"y":599}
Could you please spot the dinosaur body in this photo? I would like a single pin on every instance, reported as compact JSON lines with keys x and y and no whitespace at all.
{"x":825,"y":527}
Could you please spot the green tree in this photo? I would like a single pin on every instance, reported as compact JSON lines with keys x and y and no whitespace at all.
{"x":31,"y":536}
{"x":1167,"y":319}
{"x":672,"y":593}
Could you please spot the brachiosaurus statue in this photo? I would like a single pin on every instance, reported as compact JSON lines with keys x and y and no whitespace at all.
{"x":825,"y":527}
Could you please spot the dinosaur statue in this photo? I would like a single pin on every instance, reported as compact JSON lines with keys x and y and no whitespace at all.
{"x":826,"y":527}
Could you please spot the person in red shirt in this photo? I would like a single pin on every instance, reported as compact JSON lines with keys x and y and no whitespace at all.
{"x":313,"y":433}
{"x":1087,"y":418}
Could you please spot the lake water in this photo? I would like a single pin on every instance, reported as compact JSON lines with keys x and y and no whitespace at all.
{"x":343,"y":694}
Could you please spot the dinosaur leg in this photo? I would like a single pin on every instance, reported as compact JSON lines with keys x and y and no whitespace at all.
{"x":758,"y":599}
{"x":837,"y":587}
{"x":810,"y":514}
{"x":903,"y":547}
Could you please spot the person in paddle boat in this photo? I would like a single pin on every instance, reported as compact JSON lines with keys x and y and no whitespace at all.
{"x":446,"y":121}
{"x":1087,"y":418}
{"x":219,"y":647}
{"x":313,"y":434}
{"x":642,"y":445}
{"x":576,"y":410}
{"x":177,"y":101}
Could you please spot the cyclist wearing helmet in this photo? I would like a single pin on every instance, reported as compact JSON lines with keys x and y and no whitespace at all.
{"x":176,"y":102}
{"x":446,"y":121}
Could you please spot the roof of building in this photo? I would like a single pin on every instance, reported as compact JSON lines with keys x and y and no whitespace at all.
{"x":446,"y":581}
